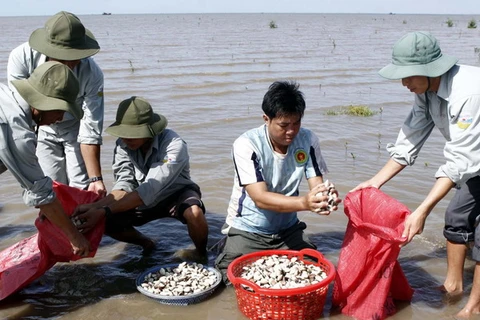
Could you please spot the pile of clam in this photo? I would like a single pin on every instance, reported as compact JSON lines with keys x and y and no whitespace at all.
{"x":281,"y":272}
{"x":332,"y":196}
{"x":185,"y":279}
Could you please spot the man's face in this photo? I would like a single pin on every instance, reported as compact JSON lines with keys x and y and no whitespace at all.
{"x":46,"y":118}
{"x":283,"y":130}
{"x":69,"y":63}
{"x":416,"y":84}
{"x":134,"y":144}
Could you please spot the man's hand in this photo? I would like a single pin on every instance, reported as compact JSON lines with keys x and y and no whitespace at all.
{"x":98,"y":187}
{"x":316,"y":201}
{"x":80,"y":245}
{"x":83,"y":208}
{"x":89,"y":218}
{"x":365,"y":184}
{"x":414,"y":225}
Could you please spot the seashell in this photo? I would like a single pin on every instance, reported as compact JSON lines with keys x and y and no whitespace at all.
{"x":282,"y":273}
{"x":185,"y":279}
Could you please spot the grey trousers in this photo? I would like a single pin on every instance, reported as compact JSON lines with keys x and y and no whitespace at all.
{"x":241,"y":242}
{"x":462,"y":216}
{"x":61,"y":159}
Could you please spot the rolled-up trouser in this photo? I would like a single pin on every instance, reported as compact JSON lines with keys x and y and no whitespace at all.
{"x":463,"y":214}
{"x":241,"y":242}
{"x":60,"y":157}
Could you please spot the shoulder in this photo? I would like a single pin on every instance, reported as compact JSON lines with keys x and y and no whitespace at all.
{"x":89,"y":65}
{"x":24,"y":47}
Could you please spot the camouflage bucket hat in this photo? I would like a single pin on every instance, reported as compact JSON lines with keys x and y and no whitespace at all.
{"x":417,"y":54}
{"x":64,"y":38}
{"x":51,"y":86}
{"x":136,"y":119}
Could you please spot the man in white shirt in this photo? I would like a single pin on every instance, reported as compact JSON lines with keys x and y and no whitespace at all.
{"x":68,"y":151}
{"x":447,"y":96}
{"x":270,"y":162}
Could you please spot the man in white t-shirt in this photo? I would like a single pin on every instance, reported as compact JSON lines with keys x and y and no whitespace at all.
{"x":270,"y":162}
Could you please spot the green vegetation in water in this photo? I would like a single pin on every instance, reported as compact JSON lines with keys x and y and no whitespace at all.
{"x":358,"y":111}
{"x":472,"y":24}
{"x":449,"y":22}
{"x":273,"y":25}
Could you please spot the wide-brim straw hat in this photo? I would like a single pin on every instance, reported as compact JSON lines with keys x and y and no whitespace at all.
{"x":417,"y":54}
{"x":51,"y":86}
{"x":64,"y":38}
{"x":135,"y":120}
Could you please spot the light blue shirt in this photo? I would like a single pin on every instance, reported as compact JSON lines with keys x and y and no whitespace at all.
{"x":17,"y":149}
{"x":455,"y":111}
{"x":164,"y":170}
{"x":21,"y":63}
{"x":255,"y":161}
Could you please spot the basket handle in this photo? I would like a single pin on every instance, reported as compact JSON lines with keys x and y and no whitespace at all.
{"x":312,"y":253}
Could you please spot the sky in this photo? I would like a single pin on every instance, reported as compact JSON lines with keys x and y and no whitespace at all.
{"x":81,"y":7}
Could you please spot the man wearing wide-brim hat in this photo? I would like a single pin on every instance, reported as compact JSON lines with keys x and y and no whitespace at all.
{"x":447,"y":96}
{"x":152,"y":180}
{"x":68,"y":151}
{"x":47,"y":94}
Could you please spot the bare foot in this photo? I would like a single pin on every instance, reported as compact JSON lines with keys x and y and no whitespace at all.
{"x":191,"y":255}
{"x":148,"y":246}
{"x":467,"y":314}
{"x":451,"y":291}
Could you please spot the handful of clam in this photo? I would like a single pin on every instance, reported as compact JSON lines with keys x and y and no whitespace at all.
{"x":332,"y":196}
{"x":281,"y":272}
{"x":185,"y":279}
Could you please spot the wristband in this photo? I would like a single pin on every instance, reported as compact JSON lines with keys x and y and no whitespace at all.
{"x":108,"y":211}
{"x":93,"y":179}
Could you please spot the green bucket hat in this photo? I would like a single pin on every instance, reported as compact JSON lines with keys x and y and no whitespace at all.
{"x":51,"y":86}
{"x":136,"y":119}
{"x":64,"y":38}
{"x":417,"y":54}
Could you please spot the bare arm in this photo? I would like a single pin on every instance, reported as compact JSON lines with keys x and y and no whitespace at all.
{"x":54,"y":212}
{"x":117,"y":201}
{"x":415,"y":222}
{"x":277,"y":202}
{"x":390,"y":170}
{"x":91,"y":156}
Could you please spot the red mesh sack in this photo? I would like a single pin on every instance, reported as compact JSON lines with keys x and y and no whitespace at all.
{"x":369,"y":276}
{"x":27,"y":260}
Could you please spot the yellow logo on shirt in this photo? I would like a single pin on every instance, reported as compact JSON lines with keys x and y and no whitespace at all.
{"x":301,"y":156}
{"x":464,"y":121}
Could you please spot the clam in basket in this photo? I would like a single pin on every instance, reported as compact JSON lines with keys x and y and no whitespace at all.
{"x":182,"y":278}
{"x":305,"y":303}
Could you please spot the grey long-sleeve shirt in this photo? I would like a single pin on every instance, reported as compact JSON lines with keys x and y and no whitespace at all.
{"x":21,"y":63}
{"x":17,"y":149}
{"x":455,"y":111}
{"x":164,"y":170}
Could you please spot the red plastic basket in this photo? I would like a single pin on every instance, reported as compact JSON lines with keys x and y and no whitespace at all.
{"x":303,"y":303}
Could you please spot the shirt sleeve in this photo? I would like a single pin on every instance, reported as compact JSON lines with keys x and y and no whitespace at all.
{"x":163,"y":173}
{"x":246,"y":162}
{"x":415,"y":130}
{"x":123,"y":170}
{"x":462,"y":150}
{"x":316,"y":166}
{"x":20,"y":159}
{"x":91,"y":81}
{"x":18,"y":66}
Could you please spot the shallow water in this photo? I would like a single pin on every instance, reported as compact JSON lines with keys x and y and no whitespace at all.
{"x":207,"y":74}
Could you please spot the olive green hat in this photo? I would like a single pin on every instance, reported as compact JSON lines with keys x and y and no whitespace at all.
{"x":64,"y":38}
{"x":51,"y":86}
{"x":417,"y":54}
{"x":136,"y":119}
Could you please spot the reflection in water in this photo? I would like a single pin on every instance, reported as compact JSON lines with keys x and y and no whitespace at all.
{"x":207,"y":74}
